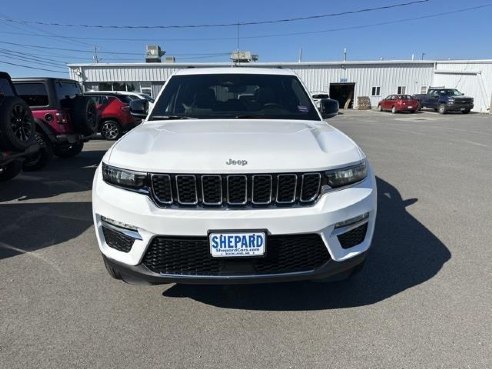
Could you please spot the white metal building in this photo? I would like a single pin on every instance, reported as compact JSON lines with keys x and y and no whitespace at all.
{"x":345,"y":81}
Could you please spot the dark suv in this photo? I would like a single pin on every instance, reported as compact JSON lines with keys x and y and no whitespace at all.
{"x":17,"y":130}
{"x":66,"y":118}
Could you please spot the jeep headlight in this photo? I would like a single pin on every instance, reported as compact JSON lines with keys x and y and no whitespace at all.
{"x":125,"y":178}
{"x":346,"y":176}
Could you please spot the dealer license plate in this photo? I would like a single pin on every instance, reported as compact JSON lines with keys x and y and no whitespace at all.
{"x":410,"y":107}
{"x":237,"y":244}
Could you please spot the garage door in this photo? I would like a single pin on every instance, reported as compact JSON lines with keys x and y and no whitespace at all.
{"x":469,"y":83}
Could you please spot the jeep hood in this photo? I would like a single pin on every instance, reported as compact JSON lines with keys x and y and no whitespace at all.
{"x":206,"y":146}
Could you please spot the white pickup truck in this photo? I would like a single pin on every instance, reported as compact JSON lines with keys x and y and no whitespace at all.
{"x":233,"y":177}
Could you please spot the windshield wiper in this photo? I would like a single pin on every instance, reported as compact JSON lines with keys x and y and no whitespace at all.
{"x":154,"y":117}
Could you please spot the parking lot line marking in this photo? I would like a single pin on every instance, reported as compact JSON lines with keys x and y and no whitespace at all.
{"x":33,"y":254}
{"x":476,"y":143}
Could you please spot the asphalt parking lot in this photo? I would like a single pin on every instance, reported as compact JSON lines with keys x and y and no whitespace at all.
{"x":423,"y":301}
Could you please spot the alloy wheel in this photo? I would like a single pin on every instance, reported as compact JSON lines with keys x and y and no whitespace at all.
{"x":20,"y":123}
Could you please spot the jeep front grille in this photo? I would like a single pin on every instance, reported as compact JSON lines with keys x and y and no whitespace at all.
{"x":235,"y":190}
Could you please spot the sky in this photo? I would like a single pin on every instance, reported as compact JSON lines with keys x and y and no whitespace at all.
{"x":432,"y":29}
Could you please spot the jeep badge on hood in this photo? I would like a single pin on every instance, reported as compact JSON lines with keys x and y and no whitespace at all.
{"x":237,"y":162}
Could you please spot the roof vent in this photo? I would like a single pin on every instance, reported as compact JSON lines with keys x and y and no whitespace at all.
{"x":153,"y":54}
{"x":243,"y":57}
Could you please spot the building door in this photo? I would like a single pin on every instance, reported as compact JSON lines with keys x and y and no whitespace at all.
{"x":470,"y":83}
{"x":343,"y":93}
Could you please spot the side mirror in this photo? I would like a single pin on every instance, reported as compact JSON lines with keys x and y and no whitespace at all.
{"x":139,"y":108}
{"x":328,"y":108}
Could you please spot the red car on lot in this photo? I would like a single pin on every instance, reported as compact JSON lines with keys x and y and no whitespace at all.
{"x":398,"y":104}
{"x":113,"y":113}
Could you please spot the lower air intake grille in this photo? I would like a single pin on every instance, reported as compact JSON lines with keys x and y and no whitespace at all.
{"x":191,"y":256}
{"x":354,"y":237}
{"x":117,"y":240}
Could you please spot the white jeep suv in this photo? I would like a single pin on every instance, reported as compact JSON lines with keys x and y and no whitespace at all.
{"x":234,"y":177}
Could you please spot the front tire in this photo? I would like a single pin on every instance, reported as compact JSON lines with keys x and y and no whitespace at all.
{"x":68,"y":150}
{"x":10,"y":170}
{"x":380,"y":108}
{"x":393,"y":110}
{"x":466,"y":111}
{"x":442,"y":109}
{"x":110,"y":130}
{"x":40,"y":159}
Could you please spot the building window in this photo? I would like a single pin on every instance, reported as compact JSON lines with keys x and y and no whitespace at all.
{"x":376,"y":91}
{"x":423,"y":90}
{"x":119,"y":86}
{"x":402,"y":90}
{"x":146,"y":90}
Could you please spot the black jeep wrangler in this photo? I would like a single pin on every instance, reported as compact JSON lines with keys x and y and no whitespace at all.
{"x":17,"y":131}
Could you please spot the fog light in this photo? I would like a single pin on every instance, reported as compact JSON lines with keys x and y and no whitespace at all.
{"x":351,"y":221}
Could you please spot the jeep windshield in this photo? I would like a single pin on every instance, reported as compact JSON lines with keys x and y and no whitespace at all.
{"x":236,"y":96}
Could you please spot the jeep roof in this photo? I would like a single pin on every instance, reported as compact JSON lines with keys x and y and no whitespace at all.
{"x":6,"y":86}
{"x":49,"y":97}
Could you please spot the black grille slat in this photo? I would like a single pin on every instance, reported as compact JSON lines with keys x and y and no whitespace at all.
{"x":212,"y":189}
{"x":191,"y":256}
{"x":117,"y":240}
{"x":161,"y":186}
{"x":310,"y":186}
{"x":186,"y":189}
{"x":237,"y":189}
{"x":353,"y":237}
{"x":262,"y":189}
{"x":286,"y":188}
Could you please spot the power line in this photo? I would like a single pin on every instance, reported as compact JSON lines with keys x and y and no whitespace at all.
{"x":457,"y":11}
{"x":108,"y":52}
{"x":35,"y":58}
{"x":31,"y":60}
{"x":68,"y":49}
{"x":251,"y":23}
{"x":397,"y":21}
{"x":30,"y":67}
{"x":46,"y":33}
{"x":48,"y":54}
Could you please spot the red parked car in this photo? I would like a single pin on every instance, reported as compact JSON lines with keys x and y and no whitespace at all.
{"x":114,"y":114}
{"x":398,"y":104}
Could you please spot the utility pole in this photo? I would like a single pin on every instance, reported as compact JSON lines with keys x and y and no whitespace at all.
{"x":345,"y":54}
{"x":300,"y":55}
{"x":422,"y":57}
{"x":237,"y":36}
{"x":95,"y":57}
